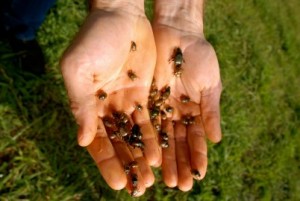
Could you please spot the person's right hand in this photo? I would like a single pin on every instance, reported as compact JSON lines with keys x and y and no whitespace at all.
{"x":98,"y":61}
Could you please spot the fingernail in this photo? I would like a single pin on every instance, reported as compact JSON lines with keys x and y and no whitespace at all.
{"x":83,"y":140}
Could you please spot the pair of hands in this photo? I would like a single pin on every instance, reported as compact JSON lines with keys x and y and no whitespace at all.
{"x":99,"y":59}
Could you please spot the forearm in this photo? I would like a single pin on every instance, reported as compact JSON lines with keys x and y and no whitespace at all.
{"x":132,"y":6}
{"x":180,"y":14}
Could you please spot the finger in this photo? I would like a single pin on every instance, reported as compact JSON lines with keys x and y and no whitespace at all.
{"x":185,"y":180}
{"x":108,"y":163}
{"x":169,"y":166}
{"x":86,"y":117}
{"x":152,"y":150}
{"x":126,"y":157}
{"x":210,"y":112}
{"x":123,"y":143}
{"x":79,"y":85}
{"x":135,"y":185}
{"x":144,"y":168}
{"x":198,"y":148}
{"x":164,"y":64}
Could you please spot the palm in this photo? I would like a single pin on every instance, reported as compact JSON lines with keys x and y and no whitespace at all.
{"x":98,"y":62}
{"x":200,"y":81}
{"x":101,"y":53}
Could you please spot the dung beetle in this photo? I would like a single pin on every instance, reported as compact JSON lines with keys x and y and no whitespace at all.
{"x":164,"y":136}
{"x":131,"y":75}
{"x":102,"y":95}
{"x":169,"y":109}
{"x":165,"y":92}
{"x":178,"y":57}
{"x":196,"y":174}
{"x":133,"y":46}
{"x":184,"y":99}
{"x":139,"y":107}
{"x":164,"y":144}
{"x":137,"y":143}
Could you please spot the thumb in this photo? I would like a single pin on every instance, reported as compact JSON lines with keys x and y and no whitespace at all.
{"x":86,"y":117}
{"x":79,"y":85}
{"x":210,"y":112}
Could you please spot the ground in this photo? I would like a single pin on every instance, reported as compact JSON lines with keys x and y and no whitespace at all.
{"x":257,"y":43}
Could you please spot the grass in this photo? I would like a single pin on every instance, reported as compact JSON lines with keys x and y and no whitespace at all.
{"x":257,"y":43}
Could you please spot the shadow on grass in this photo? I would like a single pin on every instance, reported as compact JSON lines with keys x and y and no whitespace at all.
{"x":39,"y":151}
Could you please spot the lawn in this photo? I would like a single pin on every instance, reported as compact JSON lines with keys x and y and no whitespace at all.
{"x":257,"y":43}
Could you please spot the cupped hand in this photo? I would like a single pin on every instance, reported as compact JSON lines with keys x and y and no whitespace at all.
{"x":109,"y":68}
{"x":195,"y":94}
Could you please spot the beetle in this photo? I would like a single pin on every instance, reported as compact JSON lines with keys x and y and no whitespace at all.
{"x":153,"y":92}
{"x":108,"y":122}
{"x":178,"y":61}
{"x":169,"y":109}
{"x":139,"y":107}
{"x":123,"y":132}
{"x":120,"y":117}
{"x":102,"y":95}
{"x":165,"y":92}
{"x":134,"y":192}
{"x":164,"y":136}
{"x":137,"y":143}
{"x":135,"y":128}
{"x":133,"y":164}
{"x":196,"y":174}
{"x":188,"y":120}
{"x":177,"y":56}
{"x":184,"y":99}
{"x":163,"y":115}
{"x":157,"y":127}
{"x":159,"y":102}
{"x":116,"y":115}
{"x":185,"y":121}
{"x":136,"y":133}
{"x":124,"y":118}
{"x":126,"y":169}
{"x":129,"y":166}
{"x":164,"y":144}
{"x":178,"y":70}
{"x":133,"y":46}
{"x":113,"y":136}
{"x":154,"y":112}
{"x":191,"y":120}
{"x":134,"y":180}
{"x":131,"y":75}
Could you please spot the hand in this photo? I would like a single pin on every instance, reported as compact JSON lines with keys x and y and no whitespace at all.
{"x":95,"y":70}
{"x":199,"y":80}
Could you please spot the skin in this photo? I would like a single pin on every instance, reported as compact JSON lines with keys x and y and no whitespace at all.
{"x":180,"y":24}
{"x":99,"y":59}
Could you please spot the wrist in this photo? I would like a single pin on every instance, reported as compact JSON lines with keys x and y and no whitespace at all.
{"x":135,"y":7}
{"x":185,"y":15}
